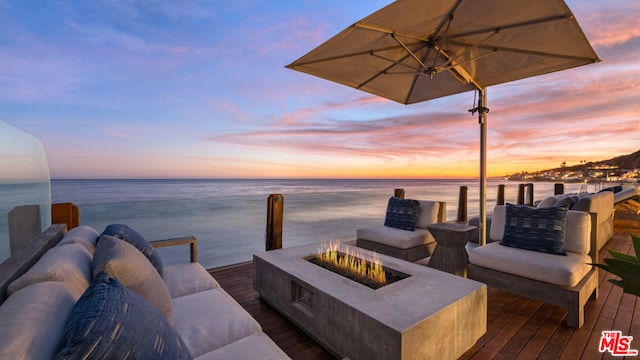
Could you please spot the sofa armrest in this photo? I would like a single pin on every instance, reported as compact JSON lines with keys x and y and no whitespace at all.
{"x":25,"y":257}
{"x":192,"y":241}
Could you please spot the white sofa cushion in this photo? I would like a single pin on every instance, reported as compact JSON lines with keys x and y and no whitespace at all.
{"x":33,"y":320}
{"x":398,"y":238}
{"x":84,"y":235}
{"x":428,"y":213}
{"x":547,"y":202}
{"x":255,"y":346}
{"x":211,"y":319}
{"x":577,"y":234}
{"x":189,"y":278}
{"x":498,"y":221}
{"x":69,"y":263}
{"x":559,"y":270}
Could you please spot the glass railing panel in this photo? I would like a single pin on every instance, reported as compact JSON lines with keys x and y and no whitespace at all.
{"x":25,"y":191}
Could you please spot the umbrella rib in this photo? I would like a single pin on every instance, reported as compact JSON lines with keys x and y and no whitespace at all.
{"x":389,"y":32}
{"x":448,"y":18}
{"x":427,"y":69}
{"x":341,"y":56}
{"x":451,"y":61}
{"x":522,"y":51}
{"x":514,"y":25}
{"x":393,"y":62}
{"x":444,"y":39}
{"x":384,"y":71}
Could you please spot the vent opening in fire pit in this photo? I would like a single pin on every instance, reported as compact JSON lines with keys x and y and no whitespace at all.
{"x":354,"y":265}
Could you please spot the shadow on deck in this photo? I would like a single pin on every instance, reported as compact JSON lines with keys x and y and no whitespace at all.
{"x":517,"y":327}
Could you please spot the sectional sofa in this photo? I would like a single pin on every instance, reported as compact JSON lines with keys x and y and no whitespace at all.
{"x":82,"y":294}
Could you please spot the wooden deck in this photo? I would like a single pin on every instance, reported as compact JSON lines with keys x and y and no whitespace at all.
{"x":517,"y":328}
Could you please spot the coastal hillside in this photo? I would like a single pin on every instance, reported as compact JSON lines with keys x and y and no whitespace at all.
{"x":620,"y":168}
{"x":631,"y":161}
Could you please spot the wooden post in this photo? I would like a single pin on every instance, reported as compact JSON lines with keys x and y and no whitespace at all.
{"x":558,"y":189}
{"x":525,"y":189}
{"x":65,"y":213}
{"x":520,"y":199}
{"x":462,"y":204}
{"x":500,"y":198}
{"x":529,"y":194}
{"x":275,"y":209}
{"x":399,"y":193}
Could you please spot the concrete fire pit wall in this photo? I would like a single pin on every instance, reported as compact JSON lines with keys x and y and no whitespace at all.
{"x":429,"y":315}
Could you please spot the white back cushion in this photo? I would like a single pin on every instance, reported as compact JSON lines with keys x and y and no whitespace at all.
{"x":578,"y":234}
{"x":69,"y":263}
{"x":428,"y":213}
{"x":497,"y":223}
{"x":33,"y":320}
{"x":84,"y":235}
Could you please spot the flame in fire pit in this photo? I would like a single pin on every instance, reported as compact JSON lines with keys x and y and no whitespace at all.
{"x":352,"y":262}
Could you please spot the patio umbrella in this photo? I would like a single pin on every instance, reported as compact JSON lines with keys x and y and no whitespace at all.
{"x":416,"y":50}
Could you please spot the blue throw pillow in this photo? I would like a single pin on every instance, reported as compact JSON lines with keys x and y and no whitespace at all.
{"x":538,"y":229}
{"x":112,"y":322}
{"x":131,"y":236}
{"x":402,"y":213}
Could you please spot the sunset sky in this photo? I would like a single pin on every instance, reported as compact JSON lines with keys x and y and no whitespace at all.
{"x":198,"y":89}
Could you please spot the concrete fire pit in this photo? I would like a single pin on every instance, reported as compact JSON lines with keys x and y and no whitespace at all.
{"x":430,"y":314}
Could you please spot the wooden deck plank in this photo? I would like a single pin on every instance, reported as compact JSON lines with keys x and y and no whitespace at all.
{"x":536,"y":344}
{"x":517,"y":327}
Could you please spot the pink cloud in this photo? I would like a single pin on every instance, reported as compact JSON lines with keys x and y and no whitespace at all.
{"x":611,"y":23}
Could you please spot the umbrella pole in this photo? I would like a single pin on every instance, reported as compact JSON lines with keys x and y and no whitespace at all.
{"x":482,"y":119}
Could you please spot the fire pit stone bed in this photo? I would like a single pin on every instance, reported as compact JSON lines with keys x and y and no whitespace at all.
{"x":391,"y":275}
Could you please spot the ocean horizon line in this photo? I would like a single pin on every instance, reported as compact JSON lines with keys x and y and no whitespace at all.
{"x":276,"y":178}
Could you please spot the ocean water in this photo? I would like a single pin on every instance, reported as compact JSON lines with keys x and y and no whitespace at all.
{"x":228,"y":217}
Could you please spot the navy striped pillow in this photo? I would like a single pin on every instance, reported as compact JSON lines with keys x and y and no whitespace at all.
{"x":402,"y":213}
{"x":538,"y":229}
{"x":110,"y":321}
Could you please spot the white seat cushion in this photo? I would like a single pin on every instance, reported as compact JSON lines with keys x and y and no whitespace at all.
{"x":256,"y":346}
{"x":397,"y":238}
{"x":211,"y":319}
{"x":555,"y":269}
{"x":189,"y":278}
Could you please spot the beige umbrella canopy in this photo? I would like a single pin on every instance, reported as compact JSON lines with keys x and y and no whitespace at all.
{"x":416,"y":50}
